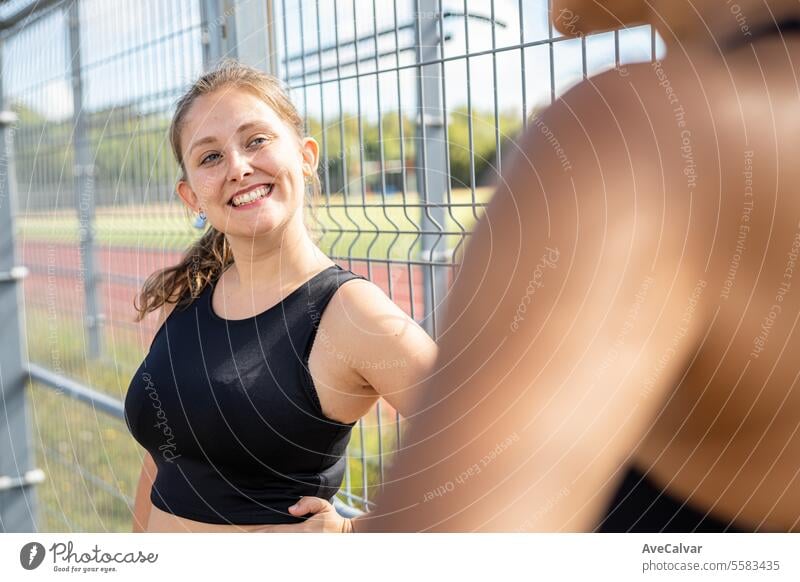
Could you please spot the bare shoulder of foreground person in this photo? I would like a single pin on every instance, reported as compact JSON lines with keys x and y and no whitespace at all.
{"x":624,"y":317}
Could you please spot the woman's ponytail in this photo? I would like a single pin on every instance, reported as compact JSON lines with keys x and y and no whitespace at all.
{"x":181,"y":284}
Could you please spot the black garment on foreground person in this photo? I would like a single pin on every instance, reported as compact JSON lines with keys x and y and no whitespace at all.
{"x":787,"y":26}
{"x":639,"y":506}
{"x":229,"y":412}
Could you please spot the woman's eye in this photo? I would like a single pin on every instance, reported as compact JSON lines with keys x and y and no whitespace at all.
{"x":257,"y":141}
{"x":209,"y":159}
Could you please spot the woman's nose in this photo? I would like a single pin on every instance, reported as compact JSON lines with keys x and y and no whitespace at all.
{"x":238,"y":166}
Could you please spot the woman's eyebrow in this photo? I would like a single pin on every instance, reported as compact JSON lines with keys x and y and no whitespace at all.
{"x":211,"y":138}
{"x":202,"y":141}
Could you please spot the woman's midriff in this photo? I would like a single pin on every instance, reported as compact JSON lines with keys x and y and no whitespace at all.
{"x":163,"y":522}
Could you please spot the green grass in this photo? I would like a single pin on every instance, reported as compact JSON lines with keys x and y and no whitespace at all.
{"x":384,"y":231}
{"x":91,"y":463}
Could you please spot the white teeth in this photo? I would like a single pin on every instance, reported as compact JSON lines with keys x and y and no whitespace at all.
{"x":251,"y":196}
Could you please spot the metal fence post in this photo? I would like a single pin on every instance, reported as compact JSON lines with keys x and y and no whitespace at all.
{"x":254,"y":35}
{"x":17,"y":498}
{"x":272,"y":40}
{"x":218,"y":29}
{"x":83,"y":169}
{"x":432,"y":174}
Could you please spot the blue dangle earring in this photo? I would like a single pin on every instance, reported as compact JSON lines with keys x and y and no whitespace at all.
{"x":200,"y":220}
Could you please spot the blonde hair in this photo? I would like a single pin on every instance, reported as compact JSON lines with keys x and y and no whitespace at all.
{"x":207,"y":258}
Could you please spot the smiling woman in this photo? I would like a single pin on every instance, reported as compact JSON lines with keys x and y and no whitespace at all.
{"x":249,"y":160}
{"x":241,"y":411}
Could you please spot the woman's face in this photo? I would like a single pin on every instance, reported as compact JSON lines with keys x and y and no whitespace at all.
{"x":245,"y":167}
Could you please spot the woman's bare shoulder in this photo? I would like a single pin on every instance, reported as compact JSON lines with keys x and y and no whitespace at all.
{"x":362,"y":305}
{"x":366,"y":321}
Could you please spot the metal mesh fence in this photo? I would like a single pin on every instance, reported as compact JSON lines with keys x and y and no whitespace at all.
{"x":100,"y":190}
{"x":413,"y":102}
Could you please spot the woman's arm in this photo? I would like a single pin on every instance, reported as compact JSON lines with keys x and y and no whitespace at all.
{"x":386,"y":350}
{"x":142,"y":504}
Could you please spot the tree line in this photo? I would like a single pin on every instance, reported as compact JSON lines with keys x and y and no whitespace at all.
{"x":132,"y":161}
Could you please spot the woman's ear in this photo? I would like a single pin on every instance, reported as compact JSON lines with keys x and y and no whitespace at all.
{"x":188,"y":195}
{"x":310,"y":151}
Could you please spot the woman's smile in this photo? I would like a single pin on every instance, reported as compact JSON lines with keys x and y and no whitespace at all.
{"x":252,"y":197}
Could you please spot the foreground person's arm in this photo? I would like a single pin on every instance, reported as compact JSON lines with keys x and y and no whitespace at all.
{"x":553,"y":365}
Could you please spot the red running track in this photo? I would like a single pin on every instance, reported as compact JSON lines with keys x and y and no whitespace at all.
{"x":54,"y":283}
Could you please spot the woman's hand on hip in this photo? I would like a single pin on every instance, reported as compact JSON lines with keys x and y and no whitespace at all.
{"x":324,"y":518}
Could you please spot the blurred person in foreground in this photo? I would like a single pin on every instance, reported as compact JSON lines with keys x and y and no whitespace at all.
{"x":620,"y":350}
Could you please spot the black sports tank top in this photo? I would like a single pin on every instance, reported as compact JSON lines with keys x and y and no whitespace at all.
{"x":229,"y":413}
